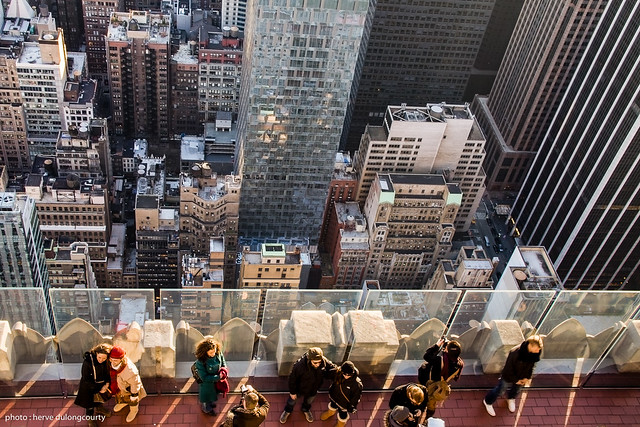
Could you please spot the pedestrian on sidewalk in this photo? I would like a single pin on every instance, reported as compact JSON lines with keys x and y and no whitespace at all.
{"x":209,"y":362}
{"x":344,"y":393}
{"x":93,"y":390}
{"x":306,"y":377}
{"x":517,"y":373}
{"x":125,"y":383}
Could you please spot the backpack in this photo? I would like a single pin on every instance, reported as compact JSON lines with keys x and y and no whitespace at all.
{"x":195,"y":374}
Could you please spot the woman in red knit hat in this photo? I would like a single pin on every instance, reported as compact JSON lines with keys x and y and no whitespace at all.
{"x":125,"y":383}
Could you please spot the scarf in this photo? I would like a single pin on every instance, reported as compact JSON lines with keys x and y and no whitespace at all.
{"x":113,"y":373}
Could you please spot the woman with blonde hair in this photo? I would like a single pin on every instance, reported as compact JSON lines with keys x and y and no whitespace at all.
{"x":209,"y":360}
{"x":411,"y":396}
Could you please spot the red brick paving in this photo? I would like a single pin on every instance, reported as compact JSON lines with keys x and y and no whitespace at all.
{"x":537,"y":408}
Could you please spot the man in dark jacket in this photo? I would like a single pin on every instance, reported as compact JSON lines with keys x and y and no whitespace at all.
{"x":440,"y":366}
{"x":306,"y":377}
{"x":517,"y":372}
{"x":251,"y":412}
{"x":344,"y":393}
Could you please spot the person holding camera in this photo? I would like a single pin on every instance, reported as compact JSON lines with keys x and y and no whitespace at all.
{"x":412,"y":397}
{"x":251,"y":412}
{"x":442,"y":363}
{"x":344,"y":393}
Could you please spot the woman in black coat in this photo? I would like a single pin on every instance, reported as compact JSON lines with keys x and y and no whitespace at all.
{"x":411,"y":396}
{"x":95,"y":379}
{"x":344,"y":393}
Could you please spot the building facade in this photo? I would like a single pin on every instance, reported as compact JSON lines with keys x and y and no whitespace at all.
{"x":548,"y":42}
{"x":137,"y":43}
{"x":299,"y":66}
{"x":438,"y":138}
{"x":580,"y":200}
{"x":410,"y":224}
{"x":208,"y":210}
{"x":441,"y":38}
{"x":97,"y":14}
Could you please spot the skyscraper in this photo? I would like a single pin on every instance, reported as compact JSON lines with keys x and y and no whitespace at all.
{"x":581,"y":198}
{"x":138,"y":52}
{"x":418,"y":52}
{"x":546,"y":47}
{"x":298,"y":67}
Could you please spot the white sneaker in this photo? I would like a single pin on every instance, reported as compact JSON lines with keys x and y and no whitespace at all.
{"x":511,"y":403}
{"x":489,"y":408}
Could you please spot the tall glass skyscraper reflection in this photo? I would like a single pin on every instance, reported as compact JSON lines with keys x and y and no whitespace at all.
{"x":581,"y":198}
{"x":299,"y":64}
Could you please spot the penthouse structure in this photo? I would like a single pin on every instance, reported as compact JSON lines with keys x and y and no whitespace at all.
{"x":137,"y":43}
{"x":472,"y":269}
{"x":410,"y":224}
{"x":436,"y":139}
{"x":70,"y":267}
{"x":273,"y":267}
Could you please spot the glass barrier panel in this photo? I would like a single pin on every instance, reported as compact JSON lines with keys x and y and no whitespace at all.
{"x":577,"y":330}
{"x":406,"y":323}
{"x":231,"y":316}
{"x":87,"y":317}
{"x":28,"y":362}
{"x":620,"y":364}
{"x":479,"y":308}
{"x":293,"y":321}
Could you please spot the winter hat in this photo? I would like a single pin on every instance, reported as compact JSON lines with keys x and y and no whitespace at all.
{"x":315,"y":353}
{"x":117,"y":353}
{"x":348,"y":368}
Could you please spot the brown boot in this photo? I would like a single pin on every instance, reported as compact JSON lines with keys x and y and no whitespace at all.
{"x":101,"y":410}
{"x":327,"y":414}
{"x":341,"y":422}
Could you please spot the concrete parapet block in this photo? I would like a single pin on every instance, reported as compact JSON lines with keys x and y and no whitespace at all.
{"x":374,"y":341}
{"x":130,"y":339}
{"x":159,"y":357}
{"x":187,"y":337}
{"x":568,"y":340}
{"x":30,"y":345}
{"x":305,"y":328}
{"x":7,"y":353}
{"x":505,"y":334}
{"x":626,"y":353}
{"x":237,"y":338}
{"x":75,"y":338}
{"x":423,"y":337}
